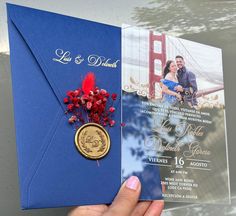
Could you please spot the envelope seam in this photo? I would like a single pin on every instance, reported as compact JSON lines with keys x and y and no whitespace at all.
{"x":50,"y":81}
{"x":50,"y":136}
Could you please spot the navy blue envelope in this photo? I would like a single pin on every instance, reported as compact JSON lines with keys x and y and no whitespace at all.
{"x":50,"y":54}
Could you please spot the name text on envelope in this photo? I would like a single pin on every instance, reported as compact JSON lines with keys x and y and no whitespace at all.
{"x":93,"y":60}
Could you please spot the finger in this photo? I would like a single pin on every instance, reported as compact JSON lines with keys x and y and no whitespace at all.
{"x":126,"y":199}
{"x":141,"y":208}
{"x":91,"y":210}
{"x":155,"y":208}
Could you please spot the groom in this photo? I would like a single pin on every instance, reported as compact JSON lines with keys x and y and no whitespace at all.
{"x":187,"y":81}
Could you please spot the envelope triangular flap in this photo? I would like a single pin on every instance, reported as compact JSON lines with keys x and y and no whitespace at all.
{"x":55,"y":174}
{"x":47,"y":32}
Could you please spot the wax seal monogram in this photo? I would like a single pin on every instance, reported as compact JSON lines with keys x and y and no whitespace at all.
{"x":89,"y":110}
{"x":92,"y":141}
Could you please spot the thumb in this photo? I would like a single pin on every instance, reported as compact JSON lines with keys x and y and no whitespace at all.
{"x":126,"y":199}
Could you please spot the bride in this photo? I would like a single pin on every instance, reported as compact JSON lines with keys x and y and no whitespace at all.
{"x":170,"y":83}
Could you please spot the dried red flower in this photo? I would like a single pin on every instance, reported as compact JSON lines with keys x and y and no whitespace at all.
{"x":70,"y":107}
{"x":89,"y":105}
{"x":76,"y":92}
{"x":112,"y":109}
{"x":103,"y":92}
{"x":66,"y":100}
{"x":122,"y":124}
{"x":92,"y":101}
{"x":85,"y":97}
{"x":72,"y":119}
{"x":70,"y":94}
{"x":88,"y":83}
{"x":98,"y":102}
{"x":95,"y":118}
{"x":112,"y":122}
{"x":105,"y":119}
{"x":75,"y":100}
{"x":113,"y":96}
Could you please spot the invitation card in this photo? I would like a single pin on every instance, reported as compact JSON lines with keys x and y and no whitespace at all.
{"x":174,"y":110}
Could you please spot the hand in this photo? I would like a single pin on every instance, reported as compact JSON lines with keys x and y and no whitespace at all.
{"x":125,"y":204}
{"x":179,"y":88}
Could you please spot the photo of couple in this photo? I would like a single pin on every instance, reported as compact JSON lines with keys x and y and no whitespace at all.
{"x":178,"y":84}
{"x":171,"y":70}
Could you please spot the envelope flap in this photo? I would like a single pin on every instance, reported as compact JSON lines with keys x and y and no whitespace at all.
{"x":67,"y":48}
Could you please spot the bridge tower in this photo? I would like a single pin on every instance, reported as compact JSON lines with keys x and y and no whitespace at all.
{"x":156,"y":58}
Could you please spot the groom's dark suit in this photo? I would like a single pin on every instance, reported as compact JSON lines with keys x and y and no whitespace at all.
{"x":187,"y":80}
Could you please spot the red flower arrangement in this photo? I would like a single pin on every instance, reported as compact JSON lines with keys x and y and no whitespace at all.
{"x":90,"y":104}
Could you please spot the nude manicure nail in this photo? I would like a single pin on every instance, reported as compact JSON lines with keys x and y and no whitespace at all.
{"x":132,"y":183}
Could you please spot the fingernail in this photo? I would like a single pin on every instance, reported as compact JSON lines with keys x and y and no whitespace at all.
{"x":132,"y":183}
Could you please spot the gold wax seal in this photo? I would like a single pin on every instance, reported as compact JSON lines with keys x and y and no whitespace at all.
{"x":92,"y":141}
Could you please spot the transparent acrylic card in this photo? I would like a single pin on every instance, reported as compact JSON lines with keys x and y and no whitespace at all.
{"x":185,"y":140}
